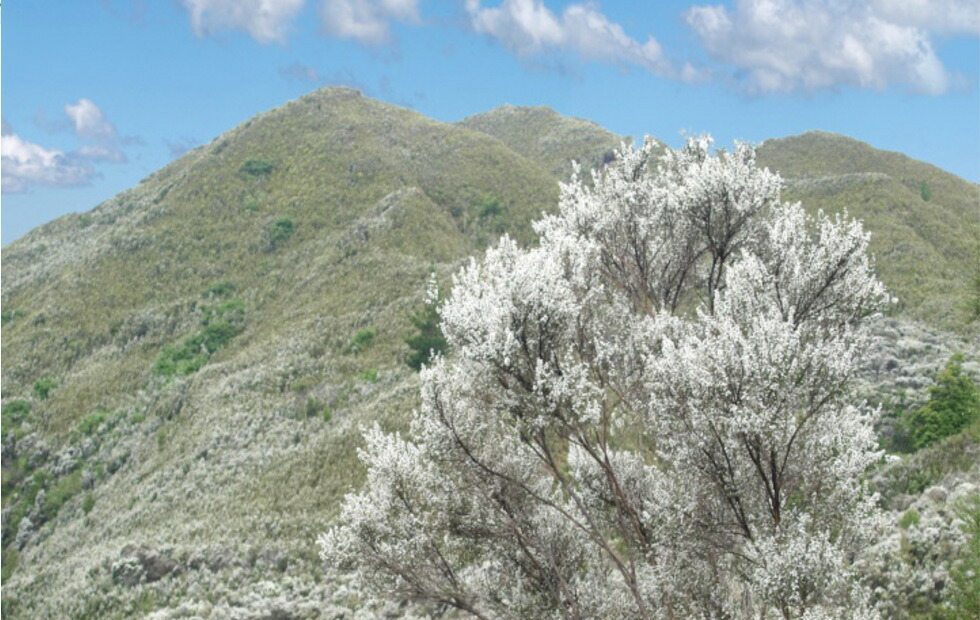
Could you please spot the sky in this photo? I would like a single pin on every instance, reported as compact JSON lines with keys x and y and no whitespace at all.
{"x":97,"y":94}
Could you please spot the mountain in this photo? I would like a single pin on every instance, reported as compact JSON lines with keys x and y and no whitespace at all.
{"x":188,"y":365}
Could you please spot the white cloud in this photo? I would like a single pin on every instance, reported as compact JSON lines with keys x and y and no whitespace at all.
{"x":89,"y":121}
{"x":366,"y":21}
{"x":266,"y":21}
{"x":529,"y":27}
{"x":939,"y":16}
{"x":809,"y":45}
{"x":26,"y":164}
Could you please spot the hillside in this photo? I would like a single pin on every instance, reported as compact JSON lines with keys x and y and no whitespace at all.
{"x":187,"y":367}
{"x":548,"y":138}
{"x":306,"y":226}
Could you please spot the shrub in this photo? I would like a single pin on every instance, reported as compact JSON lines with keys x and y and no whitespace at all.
{"x":220,"y":324}
{"x":257,"y":168}
{"x":91,"y":423}
{"x":954,"y":404}
{"x":909,"y":519}
{"x":43,"y":387}
{"x":363,"y":339}
{"x":370,"y":375}
{"x":88,"y":502}
{"x":219,"y":289}
{"x":281,"y":230}
{"x":429,"y":339}
{"x":925,"y":191}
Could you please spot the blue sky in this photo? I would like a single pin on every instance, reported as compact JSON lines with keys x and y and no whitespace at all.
{"x":97,"y":94}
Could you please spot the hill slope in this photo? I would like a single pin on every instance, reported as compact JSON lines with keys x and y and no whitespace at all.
{"x":276,"y":245}
{"x":548,"y":138}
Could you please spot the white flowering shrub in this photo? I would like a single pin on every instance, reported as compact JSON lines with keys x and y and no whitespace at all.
{"x":646,"y":416}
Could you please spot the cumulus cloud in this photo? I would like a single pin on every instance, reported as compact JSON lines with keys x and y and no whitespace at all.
{"x":809,"y":45}
{"x":940,"y":16}
{"x":266,"y":21}
{"x":366,"y":21}
{"x":26,"y":164}
{"x":529,"y":27}
{"x":89,"y":121}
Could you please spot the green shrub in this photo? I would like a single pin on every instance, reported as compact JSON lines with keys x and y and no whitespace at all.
{"x":909,"y":519}
{"x":62,"y":491}
{"x":326,"y":413}
{"x":220,"y":324}
{"x":954,"y":404}
{"x":428,"y":341}
{"x":281,"y":230}
{"x":491,"y":207}
{"x":43,"y":387}
{"x":257,"y":168}
{"x":370,"y":375}
{"x":219,"y":289}
{"x":925,"y":191}
{"x":251,"y":204}
{"x":91,"y":423}
{"x":313,"y":408}
{"x":9,"y":315}
{"x":363,"y":339}
{"x":9,"y":562}
{"x":88,"y":502}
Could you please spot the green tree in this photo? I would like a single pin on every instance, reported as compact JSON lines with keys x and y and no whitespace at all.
{"x":954,"y":404}
{"x":428,"y":340}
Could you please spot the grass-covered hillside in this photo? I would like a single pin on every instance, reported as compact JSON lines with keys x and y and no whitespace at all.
{"x":548,"y":138}
{"x":186,"y":367}
{"x":925,"y":222}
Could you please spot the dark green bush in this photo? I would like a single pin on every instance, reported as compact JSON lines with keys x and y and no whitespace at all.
{"x":363,"y":339}
{"x":925,"y":191}
{"x":280,"y":231}
{"x":370,"y":375}
{"x":257,"y":168}
{"x":88,"y":502}
{"x":43,"y":387}
{"x":954,"y":404}
{"x":220,"y":324}
{"x":428,"y":341}
{"x":91,"y":423}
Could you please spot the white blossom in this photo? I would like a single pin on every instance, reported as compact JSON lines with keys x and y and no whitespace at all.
{"x":645,"y":416}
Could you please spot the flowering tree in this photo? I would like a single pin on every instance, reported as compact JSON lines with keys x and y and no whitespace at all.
{"x":645,"y":416}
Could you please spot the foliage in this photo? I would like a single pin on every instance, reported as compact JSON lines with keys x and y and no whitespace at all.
{"x":964,"y":601}
{"x":220,"y":323}
{"x":7,"y":316}
{"x":954,"y":404}
{"x":363,"y":339}
{"x":645,"y":416}
{"x":281,"y":229}
{"x":925,"y":191}
{"x":429,"y":340}
{"x":370,"y":375}
{"x":43,"y":387}
{"x":257,"y":168}
{"x":909,"y":519}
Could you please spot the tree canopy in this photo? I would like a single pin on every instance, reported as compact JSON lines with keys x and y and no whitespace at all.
{"x":645,"y":416}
